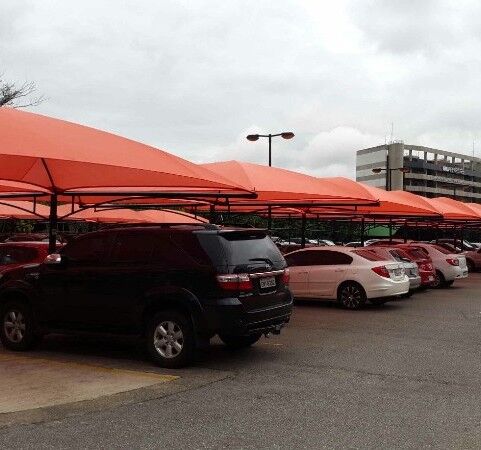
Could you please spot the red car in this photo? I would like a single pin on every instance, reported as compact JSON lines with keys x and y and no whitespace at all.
{"x":17,"y":254}
{"x":426,"y":268}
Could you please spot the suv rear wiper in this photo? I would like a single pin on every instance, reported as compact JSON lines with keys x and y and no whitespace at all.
{"x":267,"y":260}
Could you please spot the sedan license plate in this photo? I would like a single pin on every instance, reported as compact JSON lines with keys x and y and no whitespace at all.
{"x":267,"y":282}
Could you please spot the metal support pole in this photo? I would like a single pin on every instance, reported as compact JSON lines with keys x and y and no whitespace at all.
{"x":212,"y":214}
{"x":269,"y":218}
{"x":53,"y":224}
{"x":270,"y":148}
{"x":303,"y":230}
{"x":390,"y":230}
{"x":405,"y":231}
{"x":362,"y":232}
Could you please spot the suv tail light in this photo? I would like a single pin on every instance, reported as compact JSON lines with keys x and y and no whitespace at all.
{"x":453,"y":261}
{"x":381,"y":271}
{"x":235,"y":282}
{"x":286,"y":276}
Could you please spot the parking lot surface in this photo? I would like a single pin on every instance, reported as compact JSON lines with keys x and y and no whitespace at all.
{"x":405,"y":375}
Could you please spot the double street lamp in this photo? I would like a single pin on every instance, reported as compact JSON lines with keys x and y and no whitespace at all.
{"x":284,"y":135}
{"x":255,"y":137}
{"x":388,"y":171}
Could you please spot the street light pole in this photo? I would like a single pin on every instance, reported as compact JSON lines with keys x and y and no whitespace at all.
{"x":388,"y":174}
{"x":270,"y":150}
{"x":255,"y":137}
{"x":284,"y":135}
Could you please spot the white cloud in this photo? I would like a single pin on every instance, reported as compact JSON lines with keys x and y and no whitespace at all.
{"x":192,"y":77}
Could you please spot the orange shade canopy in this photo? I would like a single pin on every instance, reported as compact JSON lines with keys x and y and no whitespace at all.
{"x":280,"y":186}
{"x":22,"y":210}
{"x":64,"y":157}
{"x":453,"y":210}
{"x":125,"y":215}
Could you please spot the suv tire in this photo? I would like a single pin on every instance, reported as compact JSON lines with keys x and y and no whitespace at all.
{"x":17,"y":327}
{"x":170,"y":339}
{"x":351,"y":295}
{"x":238,"y":342}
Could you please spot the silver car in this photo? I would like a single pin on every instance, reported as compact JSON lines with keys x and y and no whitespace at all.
{"x":410,"y":267}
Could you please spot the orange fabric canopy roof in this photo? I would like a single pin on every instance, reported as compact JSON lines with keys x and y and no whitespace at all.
{"x":281,"y":186}
{"x":65,"y":157}
{"x":125,"y":215}
{"x":452,"y":209}
{"x":23,"y":210}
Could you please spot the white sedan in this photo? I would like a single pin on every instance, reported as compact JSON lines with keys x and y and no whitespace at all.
{"x":449,"y":266}
{"x":349,"y":275}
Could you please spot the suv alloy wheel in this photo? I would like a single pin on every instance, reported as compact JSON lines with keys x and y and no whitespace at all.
{"x":170,"y":339}
{"x":17,"y":329}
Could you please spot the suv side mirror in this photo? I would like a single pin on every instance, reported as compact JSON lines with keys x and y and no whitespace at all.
{"x":53,"y":259}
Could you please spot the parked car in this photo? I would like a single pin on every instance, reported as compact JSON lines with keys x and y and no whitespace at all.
{"x":350,"y":276}
{"x":31,"y":237}
{"x":399,"y":255}
{"x":176,"y":286}
{"x":354,"y":244}
{"x":472,"y":254}
{"x":17,"y":254}
{"x":448,"y":266}
{"x":424,"y":262}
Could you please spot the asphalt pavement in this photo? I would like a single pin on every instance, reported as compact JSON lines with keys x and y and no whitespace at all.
{"x":405,"y":375}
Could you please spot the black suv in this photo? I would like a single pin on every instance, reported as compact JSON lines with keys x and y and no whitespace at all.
{"x":176,"y":286}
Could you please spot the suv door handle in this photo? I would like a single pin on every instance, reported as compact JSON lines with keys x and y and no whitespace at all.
{"x":338,"y":270}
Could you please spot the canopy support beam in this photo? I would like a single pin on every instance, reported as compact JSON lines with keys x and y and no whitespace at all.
{"x":303,"y":230}
{"x":53,"y":224}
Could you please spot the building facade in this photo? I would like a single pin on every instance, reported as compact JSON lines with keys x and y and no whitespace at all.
{"x":424,"y":171}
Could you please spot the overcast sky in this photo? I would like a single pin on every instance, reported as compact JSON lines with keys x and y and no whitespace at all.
{"x":194,"y":77}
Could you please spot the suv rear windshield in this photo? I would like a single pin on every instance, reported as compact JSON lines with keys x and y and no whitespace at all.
{"x":241,"y":248}
{"x":369,"y":255}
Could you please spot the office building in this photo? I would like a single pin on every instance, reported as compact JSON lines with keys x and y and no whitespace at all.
{"x":421,"y":170}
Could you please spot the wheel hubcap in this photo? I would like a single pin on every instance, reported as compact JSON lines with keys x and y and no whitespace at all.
{"x":351,"y":297}
{"x":14,"y":326}
{"x":168,"y":339}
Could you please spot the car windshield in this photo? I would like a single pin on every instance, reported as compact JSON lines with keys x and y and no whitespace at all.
{"x":369,"y":255}
{"x":16,"y":255}
{"x":416,"y":253}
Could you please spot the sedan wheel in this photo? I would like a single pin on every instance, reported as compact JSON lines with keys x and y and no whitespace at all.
{"x":438,"y":280}
{"x":351,"y":296}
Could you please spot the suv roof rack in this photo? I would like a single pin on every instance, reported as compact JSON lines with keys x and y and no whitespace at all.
{"x":205,"y":226}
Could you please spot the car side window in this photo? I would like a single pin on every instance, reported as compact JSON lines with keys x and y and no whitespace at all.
{"x":297,"y":259}
{"x":318,"y":258}
{"x":132,"y":247}
{"x":87,"y":249}
{"x":338,"y":258}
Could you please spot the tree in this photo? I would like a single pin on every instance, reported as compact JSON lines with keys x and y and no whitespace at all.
{"x":18,"y":96}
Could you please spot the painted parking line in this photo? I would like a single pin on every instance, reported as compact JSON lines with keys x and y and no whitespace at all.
{"x":31,"y":382}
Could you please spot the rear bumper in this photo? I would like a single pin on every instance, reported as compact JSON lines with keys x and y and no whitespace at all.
{"x":454,"y":273}
{"x":414,"y":283}
{"x":388,"y":288}
{"x":229,"y":316}
{"x":427,"y":278}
